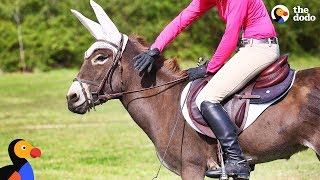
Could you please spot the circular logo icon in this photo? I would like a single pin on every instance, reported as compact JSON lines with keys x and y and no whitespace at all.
{"x":280,"y":14}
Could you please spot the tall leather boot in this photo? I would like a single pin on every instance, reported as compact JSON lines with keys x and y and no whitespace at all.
{"x":225,"y":131}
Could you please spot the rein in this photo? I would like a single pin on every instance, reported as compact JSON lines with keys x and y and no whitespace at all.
{"x":102,"y":95}
{"x":117,"y":95}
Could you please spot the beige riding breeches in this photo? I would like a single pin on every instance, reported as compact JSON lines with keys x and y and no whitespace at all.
{"x":248,"y":62}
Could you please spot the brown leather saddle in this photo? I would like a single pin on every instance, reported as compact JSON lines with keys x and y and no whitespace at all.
{"x":267,"y":86}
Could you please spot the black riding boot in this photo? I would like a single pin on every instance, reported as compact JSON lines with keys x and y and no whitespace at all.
{"x":225,"y":131}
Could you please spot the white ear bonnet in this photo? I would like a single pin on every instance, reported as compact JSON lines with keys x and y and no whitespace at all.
{"x":106,"y":33}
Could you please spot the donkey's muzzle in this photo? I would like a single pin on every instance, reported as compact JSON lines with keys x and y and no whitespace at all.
{"x":71,"y":101}
{"x":73,"y":97}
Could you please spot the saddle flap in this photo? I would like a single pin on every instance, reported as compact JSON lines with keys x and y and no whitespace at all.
{"x":240,"y":114}
{"x":236,"y":107}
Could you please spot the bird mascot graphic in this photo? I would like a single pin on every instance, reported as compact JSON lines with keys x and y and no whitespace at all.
{"x":19,"y":150}
{"x":279,"y":13}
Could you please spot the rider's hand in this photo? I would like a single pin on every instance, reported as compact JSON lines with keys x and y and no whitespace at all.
{"x":146,"y":59}
{"x":198,"y":72}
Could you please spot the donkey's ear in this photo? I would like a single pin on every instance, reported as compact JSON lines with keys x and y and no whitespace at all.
{"x":94,"y":28}
{"x":107,"y":25}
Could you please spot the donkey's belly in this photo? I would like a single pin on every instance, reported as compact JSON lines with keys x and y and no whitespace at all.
{"x":274,"y":134}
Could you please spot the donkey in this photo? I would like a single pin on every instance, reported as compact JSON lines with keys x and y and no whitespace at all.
{"x":290,"y":125}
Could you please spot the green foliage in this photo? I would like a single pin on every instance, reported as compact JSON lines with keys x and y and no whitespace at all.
{"x":8,"y":46}
{"x":54,"y":38}
{"x":298,"y":37}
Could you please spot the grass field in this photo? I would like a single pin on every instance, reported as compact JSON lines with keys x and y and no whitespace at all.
{"x":105,"y":144}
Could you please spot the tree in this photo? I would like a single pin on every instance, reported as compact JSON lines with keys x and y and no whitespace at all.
{"x":16,"y":15}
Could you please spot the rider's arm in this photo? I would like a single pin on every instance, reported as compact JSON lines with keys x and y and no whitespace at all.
{"x":237,"y":11}
{"x":194,"y":10}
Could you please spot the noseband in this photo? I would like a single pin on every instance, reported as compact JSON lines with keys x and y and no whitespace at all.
{"x":103,"y":96}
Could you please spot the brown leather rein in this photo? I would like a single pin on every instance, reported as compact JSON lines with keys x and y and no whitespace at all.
{"x":103,"y":96}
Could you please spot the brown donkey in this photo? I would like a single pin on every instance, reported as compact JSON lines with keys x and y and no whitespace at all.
{"x":288,"y":126}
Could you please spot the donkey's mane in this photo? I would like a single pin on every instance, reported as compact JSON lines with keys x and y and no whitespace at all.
{"x":170,"y":66}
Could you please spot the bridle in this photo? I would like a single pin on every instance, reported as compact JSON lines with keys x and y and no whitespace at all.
{"x":101,"y":94}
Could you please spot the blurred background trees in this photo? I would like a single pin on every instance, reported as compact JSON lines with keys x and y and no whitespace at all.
{"x":53,"y":38}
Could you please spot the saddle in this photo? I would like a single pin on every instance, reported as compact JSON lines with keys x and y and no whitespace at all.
{"x":273,"y":82}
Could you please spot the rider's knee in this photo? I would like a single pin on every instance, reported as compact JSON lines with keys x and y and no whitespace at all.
{"x":203,"y":97}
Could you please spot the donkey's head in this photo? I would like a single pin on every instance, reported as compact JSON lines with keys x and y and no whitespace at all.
{"x":99,"y":78}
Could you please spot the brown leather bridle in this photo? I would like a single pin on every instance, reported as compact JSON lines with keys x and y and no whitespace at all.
{"x":102,"y":95}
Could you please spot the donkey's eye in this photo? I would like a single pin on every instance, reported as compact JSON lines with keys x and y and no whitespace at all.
{"x":101,"y":59}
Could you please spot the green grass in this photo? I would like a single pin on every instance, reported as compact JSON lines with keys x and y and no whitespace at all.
{"x":105,"y":144}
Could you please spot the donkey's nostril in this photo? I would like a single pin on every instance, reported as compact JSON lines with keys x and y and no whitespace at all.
{"x":73,"y":97}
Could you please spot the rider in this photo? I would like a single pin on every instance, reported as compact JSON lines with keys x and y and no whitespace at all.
{"x":258,"y":49}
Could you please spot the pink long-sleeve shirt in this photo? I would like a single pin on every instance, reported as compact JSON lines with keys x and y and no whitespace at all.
{"x":252,"y":14}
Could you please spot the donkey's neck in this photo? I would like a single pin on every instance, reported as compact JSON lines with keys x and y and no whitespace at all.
{"x":155,"y":110}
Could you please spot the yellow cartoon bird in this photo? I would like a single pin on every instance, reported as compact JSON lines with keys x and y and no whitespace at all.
{"x":19,"y":150}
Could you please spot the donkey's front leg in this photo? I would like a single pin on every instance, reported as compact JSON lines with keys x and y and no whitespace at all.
{"x":193,"y":172}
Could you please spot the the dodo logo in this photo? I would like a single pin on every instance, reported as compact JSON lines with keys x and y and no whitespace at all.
{"x":280,"y":14}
